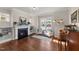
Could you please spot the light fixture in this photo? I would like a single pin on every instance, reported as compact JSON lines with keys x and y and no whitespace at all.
{"x":34,"y":8}
{"x":54,"y":21}
{"x":59,"y":21}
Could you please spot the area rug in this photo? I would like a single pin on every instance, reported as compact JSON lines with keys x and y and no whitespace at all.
{"x":41,"y":37}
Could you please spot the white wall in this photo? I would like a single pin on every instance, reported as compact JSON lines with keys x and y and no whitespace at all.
{"x":72,"y":9}
{"x":58,"y":15}
{"x":15,"y":13}
{"x":5,"y":24}
{"x":35,"y":23}
{"x":18,"y":13}
{"x":14,"y":17}
{"x":5,"y":10}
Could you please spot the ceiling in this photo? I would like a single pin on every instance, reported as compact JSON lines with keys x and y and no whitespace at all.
{"x":38,"y":10}
{"x":41,"y":10}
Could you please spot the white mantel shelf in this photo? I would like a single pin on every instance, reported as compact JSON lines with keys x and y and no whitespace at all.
{"x":22,"y":26}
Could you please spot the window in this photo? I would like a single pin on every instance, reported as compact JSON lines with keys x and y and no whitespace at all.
{"x":4,"y":17}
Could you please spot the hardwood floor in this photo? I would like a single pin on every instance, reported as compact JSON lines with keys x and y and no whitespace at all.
{"x":29,"y":44}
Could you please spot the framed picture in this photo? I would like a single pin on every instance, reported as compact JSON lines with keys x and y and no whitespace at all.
{"x":74,"y":17}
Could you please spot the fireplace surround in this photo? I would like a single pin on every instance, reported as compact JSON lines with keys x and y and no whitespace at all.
{"x":22,"y":33}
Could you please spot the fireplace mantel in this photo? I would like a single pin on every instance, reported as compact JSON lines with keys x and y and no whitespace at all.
{"x":20,"y":27}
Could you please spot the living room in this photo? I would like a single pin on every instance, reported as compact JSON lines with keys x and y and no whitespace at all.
{"x":33,"y":26}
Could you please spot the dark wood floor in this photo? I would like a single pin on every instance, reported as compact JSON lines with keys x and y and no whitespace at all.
{"x":29,"y":44}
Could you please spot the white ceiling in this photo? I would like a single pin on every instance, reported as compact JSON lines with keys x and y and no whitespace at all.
{"x":41,"y":10}
{"x":38,"y":10}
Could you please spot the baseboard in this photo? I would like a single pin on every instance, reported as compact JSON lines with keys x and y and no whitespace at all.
{"x":3,"y":41}
{"x":32,"y":34}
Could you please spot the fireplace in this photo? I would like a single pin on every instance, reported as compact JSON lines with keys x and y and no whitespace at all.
{"x":22,"y":33}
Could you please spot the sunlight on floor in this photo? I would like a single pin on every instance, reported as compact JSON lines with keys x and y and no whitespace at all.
{"x":56,"y":41}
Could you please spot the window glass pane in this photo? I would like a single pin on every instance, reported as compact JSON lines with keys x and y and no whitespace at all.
{"x":4,"y":17}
